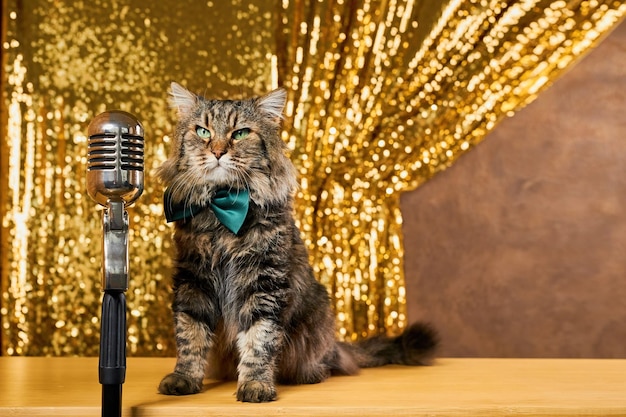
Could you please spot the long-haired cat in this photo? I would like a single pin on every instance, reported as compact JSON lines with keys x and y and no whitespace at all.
{"x":246,"y":304}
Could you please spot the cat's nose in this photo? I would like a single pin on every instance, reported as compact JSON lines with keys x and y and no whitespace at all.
{"x":218,"y":152}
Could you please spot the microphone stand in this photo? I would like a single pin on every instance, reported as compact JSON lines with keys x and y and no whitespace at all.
{"x":112,"y":368}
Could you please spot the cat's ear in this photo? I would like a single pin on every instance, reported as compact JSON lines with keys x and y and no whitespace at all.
{"x":273,"y":103}
{"x":181,"y":98}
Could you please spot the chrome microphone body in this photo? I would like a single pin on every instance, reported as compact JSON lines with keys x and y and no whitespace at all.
{"x":115,"y":173}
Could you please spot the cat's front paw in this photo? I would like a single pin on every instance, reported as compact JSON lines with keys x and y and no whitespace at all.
{"x":177,"y":384}
{"x":256,"y":392}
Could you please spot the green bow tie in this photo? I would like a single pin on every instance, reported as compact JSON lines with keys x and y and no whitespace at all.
{"x":230,"y":208}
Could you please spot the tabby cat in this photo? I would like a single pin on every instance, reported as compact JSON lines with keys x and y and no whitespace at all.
{"x":246,"y":304}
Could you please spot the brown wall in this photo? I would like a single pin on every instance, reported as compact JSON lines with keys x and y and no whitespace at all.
{"x":519,"y":250}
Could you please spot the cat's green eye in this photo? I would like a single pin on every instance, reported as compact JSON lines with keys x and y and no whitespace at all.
{"x":241,"y":133}
{"x":203,"y":132}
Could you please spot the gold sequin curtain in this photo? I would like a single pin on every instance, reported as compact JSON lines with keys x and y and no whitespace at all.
{"x":382,"y":95}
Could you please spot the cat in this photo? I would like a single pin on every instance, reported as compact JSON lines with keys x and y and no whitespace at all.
{"x":246,"y":304}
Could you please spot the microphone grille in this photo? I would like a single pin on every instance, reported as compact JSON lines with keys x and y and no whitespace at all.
{"x":115,"y":142}
{"x":132,"y":152}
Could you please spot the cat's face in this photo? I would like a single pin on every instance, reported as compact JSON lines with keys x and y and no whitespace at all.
{"x":228,"y":144}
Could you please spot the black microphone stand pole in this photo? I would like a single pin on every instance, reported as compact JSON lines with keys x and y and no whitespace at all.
{"x":112,"y":369}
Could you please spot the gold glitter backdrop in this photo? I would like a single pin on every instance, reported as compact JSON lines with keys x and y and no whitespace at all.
{"x":382,"y":95}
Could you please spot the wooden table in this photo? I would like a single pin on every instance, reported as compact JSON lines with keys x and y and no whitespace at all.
{"x":453,"y":387}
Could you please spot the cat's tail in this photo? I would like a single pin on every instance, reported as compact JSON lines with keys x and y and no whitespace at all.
{"x":417,"y":345}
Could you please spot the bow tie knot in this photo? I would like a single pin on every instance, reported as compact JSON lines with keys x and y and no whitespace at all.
{"x":229,"y":206}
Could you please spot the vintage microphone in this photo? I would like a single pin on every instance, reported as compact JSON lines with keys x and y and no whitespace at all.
{"x":114,"y":180}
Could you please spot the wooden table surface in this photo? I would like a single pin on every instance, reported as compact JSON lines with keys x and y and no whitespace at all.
{"x":31,"y":386}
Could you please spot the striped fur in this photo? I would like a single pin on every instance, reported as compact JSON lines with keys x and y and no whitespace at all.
{"x":247,"y":306}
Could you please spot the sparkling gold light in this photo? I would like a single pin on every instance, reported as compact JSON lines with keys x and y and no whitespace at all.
{"x":382,"y":95}
{"x":403,"y":91}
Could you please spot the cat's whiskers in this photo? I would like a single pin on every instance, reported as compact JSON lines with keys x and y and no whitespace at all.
{"x":180,"y":183}
{"x":242,"y":178}
{"x":184,"y":186}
